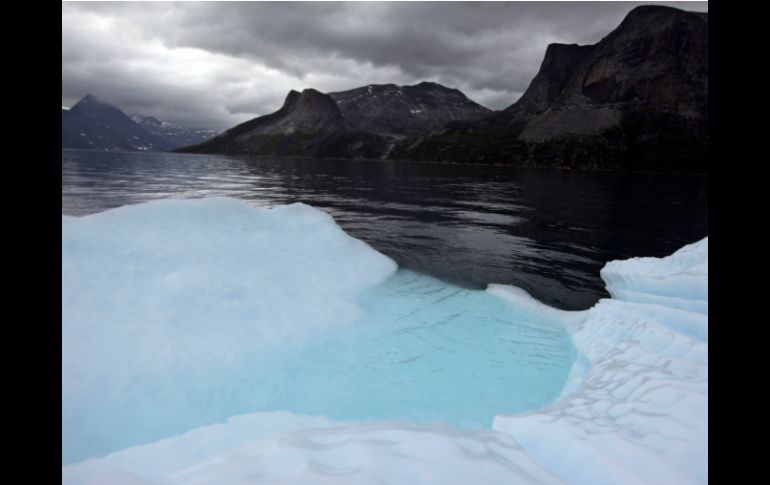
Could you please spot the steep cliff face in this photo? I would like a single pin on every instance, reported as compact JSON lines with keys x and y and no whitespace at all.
{"x":656,"y":60}
{"x":362,"y":122}
{"x":657,"y":56}
{"x":550,"y":82}
{"x":638,"y":99}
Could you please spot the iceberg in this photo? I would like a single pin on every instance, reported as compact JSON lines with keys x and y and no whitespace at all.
{"x":627,"y":404}
{"x":638,"y":410}
{"x":158,"y":299}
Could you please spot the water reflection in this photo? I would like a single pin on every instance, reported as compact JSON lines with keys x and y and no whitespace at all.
{"x":547,"y":231}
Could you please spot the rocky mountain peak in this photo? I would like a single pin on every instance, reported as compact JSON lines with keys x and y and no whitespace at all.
{"x":657,"y":56}
{"x":91,"y":103}
{"x":312,"y":100}
{"x":93,"y":124}
{"x":398,"y":111}
{"x":636,"y":99}
{"x":290,"y":101}
{"x":363,"y":121}
{"x":89,"y":99}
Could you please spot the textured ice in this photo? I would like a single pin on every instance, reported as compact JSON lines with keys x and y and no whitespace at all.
{"x":677,"y":281}
{"x":634,"y":409}
{"x":640,"y":411}
{"x":316,"y":451}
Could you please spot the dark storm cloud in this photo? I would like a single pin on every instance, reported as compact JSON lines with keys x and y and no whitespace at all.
{"x":217,"y":64}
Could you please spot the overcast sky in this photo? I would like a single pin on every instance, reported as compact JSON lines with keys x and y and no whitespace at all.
{"x":214,"y":65}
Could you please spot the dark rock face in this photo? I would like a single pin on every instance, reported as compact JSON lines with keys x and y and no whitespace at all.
{"x":549,"y":83}
{"x":95,"y":125}
{"x":636,"y":100}
{"x":304,"y":125}
{"x":396,"y":111}
{"x":359,"y":123}
{"x":307,"y":112}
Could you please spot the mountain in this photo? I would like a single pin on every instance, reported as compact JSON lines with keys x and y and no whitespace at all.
{"x":364,"y":122}
{"x":393,"y":110}
{"x":176,"y":135}
{"x":638,"y":100}
{"x":93,"y":124}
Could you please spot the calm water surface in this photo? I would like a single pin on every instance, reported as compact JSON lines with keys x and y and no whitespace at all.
{"x":546,"y":231}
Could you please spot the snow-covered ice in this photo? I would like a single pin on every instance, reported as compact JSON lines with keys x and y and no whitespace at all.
{"x":634,"y":408}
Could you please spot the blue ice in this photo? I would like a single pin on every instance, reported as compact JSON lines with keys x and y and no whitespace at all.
{"x":179,"y":314}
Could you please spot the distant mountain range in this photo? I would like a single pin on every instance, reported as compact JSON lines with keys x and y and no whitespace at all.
{"x":176,"y":135}
{"x":636,"y":100}
{"x":363,"y":122}
{"x":92,"y":124}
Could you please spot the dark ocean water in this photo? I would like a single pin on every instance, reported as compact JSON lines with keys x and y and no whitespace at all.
{"x":546,"y":231}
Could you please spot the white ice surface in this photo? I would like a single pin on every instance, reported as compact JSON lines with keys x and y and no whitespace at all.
{"x":640,"y":411}
{"x":295,"y":273}
{"x":144,"y":296}
{"x":635,"y":410}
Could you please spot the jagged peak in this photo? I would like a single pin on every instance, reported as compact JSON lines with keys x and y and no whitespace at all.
{"x":316,"y":101}
{"x":92,"y":103}
{"x":291,"y":100}
{"x":89,"y":99}
{"x":309,"y":100}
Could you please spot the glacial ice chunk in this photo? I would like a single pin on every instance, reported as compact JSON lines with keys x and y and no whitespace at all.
{"x":677,"y":281}
{"x":180,"y":314}
{"x":160,"y":288}
{"x":635,"y":408}
{"x":639,"y":412}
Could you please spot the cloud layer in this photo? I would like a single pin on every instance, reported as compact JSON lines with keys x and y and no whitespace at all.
{"x":214,"y":64}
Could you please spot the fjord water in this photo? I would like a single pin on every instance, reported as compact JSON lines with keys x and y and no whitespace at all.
{"x":546,"y":231}
{"x":422,"y":352}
